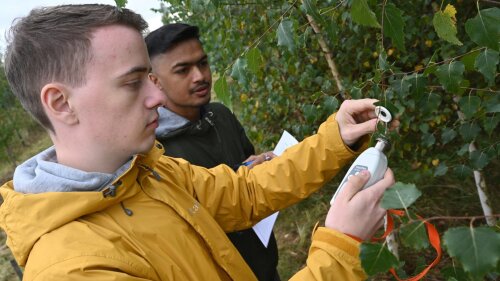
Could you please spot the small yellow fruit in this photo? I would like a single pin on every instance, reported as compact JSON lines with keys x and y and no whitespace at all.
{"x":366,"y":64}
{"x":390,"y":52}
{"x":428,"y":43}
{"x":243,"y":97}
{"x":435,"y":162}
{"x":375,"y":54}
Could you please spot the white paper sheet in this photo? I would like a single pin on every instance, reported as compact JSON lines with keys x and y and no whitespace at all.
{"x":264,"y":228}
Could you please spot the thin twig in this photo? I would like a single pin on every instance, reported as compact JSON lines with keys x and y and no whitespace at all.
{"x":328,"y":56}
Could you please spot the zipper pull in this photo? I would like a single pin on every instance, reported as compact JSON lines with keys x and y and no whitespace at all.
{"x":155,"y":173}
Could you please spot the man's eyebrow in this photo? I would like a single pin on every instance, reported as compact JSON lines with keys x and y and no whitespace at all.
{"x":136,"y":69}
{"x":187,"y":63}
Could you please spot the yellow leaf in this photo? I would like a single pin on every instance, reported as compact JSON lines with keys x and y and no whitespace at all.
{"x":435,"y":162}
{"x":243,"y":98}
{"x":451,"y":12}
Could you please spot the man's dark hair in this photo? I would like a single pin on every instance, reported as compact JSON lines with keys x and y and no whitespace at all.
{"x":54,"y":44}
{"x":167,"y":36}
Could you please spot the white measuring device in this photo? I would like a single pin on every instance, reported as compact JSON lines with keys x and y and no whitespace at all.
{"x":373,"y":159}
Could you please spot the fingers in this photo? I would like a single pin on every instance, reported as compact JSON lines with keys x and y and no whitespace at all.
{"x":250,"y":158}
{"x":359,"y":106}
{"x":354,"y":184}
{"x":386,"y":182}
{"x":356,"y":118}
{"x":361,"y":129}
{"x":259,"y":159}
{"x":269,"y":155}
{"x":394,"y":124}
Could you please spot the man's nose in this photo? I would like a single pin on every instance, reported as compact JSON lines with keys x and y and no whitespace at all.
{"x":198,"y":74}
{"x":156,"y":97}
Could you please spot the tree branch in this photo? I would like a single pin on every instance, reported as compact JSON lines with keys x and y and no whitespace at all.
{"x":328,"y":57}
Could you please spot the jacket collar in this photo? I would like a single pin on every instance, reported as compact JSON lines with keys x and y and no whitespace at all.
{"x":27,"y":217}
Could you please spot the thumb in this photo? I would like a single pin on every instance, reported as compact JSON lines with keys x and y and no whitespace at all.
{"x":366,"y":127}
{"x":354,"y":184}
{"x":356,"y":131}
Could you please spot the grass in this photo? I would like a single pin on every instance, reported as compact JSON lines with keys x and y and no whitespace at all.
{"x":41,"y":141}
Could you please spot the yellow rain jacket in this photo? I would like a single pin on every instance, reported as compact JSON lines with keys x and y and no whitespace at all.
{"x":164,"y":219}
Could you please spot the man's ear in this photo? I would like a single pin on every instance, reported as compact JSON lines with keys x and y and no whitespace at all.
{"x":155,"y":80}
{"x":55,"y":100}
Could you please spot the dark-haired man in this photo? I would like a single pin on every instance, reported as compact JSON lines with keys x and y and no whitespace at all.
{"x":104,"y":204}
{"x":204,"y":133}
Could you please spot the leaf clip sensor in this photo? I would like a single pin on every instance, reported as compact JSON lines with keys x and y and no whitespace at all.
{"x":383,"y":114}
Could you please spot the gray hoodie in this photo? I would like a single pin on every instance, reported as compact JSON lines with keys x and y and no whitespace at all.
{"x":42,"y":173}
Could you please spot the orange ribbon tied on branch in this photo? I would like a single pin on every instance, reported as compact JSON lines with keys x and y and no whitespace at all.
{"x":432,"y":234}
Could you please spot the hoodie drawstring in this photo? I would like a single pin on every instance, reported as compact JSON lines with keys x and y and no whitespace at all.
{"x":127,"y":211}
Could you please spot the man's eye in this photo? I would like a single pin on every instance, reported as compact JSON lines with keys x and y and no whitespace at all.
{"x":181,"y":71}
{"x":134,"y":84}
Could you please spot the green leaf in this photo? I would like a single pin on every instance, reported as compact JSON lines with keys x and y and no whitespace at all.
{"x":454,"y":273}
{"x":477,"y":249}
{"x":414,"y":235}
{"x":464,"y":149}
{"x":310,"y":112}
{"x":448,"y":135}
{"x":121,"y":3}
{"x":486,"y":63}
{"x":462,"y":171}
{"x":493,"y":104}
{"x":469,"y":105}
{"x":331,"y":104}
{"x":376,"y":258}
{"x":356,"y":93}
{"x":428,"y":140}
{"x":418,"y":84}
{"x":429,"y":104}
{"x":479,"y":159}
{"x":430,"y":69}
{"x":445,"y":27}
{"x":441,"y":170}
{"x":286,"y":33}
{"x":469,"y":131}
{"x":491,"y":123}
{"x":394,"y":25}
{"x":222,"y":91}
{"x":254,"y":60}
{"x":401,"y":87}
{"x":362,"y":14}
{"x":470,"y":59}
{"x":450,"y":76}
{"x":239,"y":70}
{"x":484,"y":29}
{"x":424,"y":128}
{"x":400,"y":196}
{"x":309,"y":6}
{"x":493,"y":108}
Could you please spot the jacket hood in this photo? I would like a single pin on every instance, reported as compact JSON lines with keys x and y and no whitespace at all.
{"x":37,"y":200}
{"x":169,"y":121}
{"x":171,"y":124}
{"x":42,"y":173}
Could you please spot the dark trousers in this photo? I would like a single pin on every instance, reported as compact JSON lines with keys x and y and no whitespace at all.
{"x":263,"y":261}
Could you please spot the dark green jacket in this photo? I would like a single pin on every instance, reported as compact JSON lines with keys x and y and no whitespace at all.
{"x":218,"y":138}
